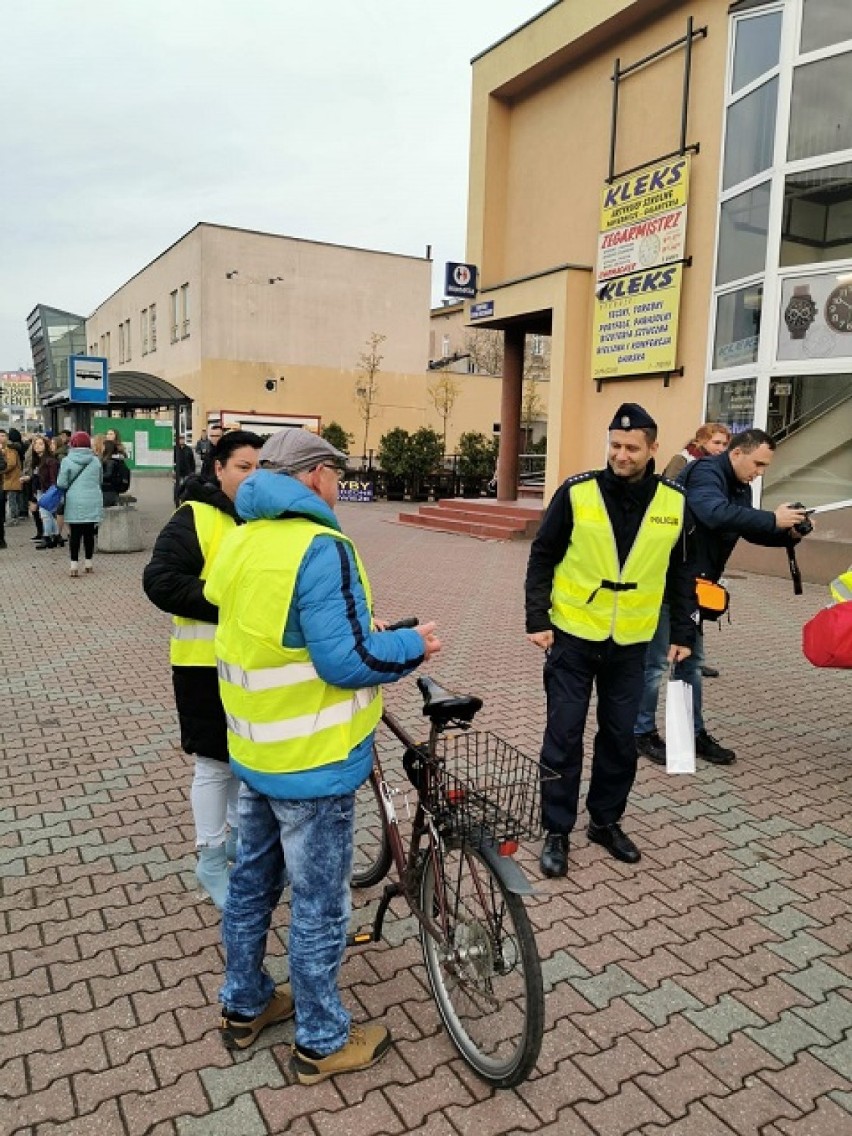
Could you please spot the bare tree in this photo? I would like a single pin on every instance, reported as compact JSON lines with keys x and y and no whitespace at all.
{"x":443,"y":392}
{"x":367,"y":383}
{"x":485,"y":348}
{"x":532,"y":407}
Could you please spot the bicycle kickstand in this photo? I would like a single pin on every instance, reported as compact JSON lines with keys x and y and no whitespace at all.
{"x":374,"y":935}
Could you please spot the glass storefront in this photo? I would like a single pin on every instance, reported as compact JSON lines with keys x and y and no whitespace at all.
{"x":783,"y":298}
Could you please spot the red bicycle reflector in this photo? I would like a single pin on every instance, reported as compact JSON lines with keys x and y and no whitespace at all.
{"x":507,"y":847}
{"x":455,"y":796}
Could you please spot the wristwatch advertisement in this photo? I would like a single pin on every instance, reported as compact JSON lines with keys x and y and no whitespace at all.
{"x":816,"y":316}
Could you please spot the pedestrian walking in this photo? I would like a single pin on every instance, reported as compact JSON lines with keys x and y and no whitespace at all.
{"x":184,"y":465}
{"x":80,"y":477}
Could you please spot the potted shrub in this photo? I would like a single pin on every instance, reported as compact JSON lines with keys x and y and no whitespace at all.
{"x":393,"y":448}
{"x":423,"y":456}
{"x":336,"y":436}
{"x":476,"y":462}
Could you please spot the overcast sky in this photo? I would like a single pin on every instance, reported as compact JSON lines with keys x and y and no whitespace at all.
{"x":124,"y":124}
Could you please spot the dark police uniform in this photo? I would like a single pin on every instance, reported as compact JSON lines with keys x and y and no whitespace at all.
{"x":606,"y":551}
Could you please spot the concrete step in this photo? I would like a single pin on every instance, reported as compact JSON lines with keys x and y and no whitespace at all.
{"x":445,"y":522}
{"x":510,"y":522}
{"x":492,"y":507}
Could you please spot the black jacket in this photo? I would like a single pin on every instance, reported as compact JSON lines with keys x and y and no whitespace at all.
{"x":172,"y":581}
{"x":626,"y":504}
{"x":184,"y":462}
{"x":721,"y":512}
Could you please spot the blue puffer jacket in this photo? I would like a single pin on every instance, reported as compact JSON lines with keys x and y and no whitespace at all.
{"x":329,"y":616}
{"x":80,"y":477}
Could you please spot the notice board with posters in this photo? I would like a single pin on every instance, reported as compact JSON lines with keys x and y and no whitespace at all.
{"x":148,"y":442}
{"x":639,"y":271}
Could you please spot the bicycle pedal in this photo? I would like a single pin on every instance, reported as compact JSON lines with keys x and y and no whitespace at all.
{"x":359,"y":938}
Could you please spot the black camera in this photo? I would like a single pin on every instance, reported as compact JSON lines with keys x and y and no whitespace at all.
{"x":803,"y":527}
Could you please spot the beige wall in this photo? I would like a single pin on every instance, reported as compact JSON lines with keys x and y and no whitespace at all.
{"x":539,"y":157}
{"x":305,"y":330}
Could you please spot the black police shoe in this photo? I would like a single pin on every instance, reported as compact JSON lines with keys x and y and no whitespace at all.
{"x":707,"y":747}
{"x":616,"y":843}
{"x":554,"y":855}
{"x":709,"y":672}
{"x":652,"y":746}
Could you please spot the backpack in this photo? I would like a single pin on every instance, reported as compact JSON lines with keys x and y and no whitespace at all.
{"x":827,"y":638}
{"x":120,"y":476}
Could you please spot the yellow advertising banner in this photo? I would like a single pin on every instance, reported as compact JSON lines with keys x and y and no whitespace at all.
{"x":636,"y":321}
{"x":640,"y":271}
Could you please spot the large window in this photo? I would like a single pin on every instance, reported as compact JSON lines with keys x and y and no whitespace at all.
{"x":750,"y":134}
{"x":825,"y":22}
{"x":742,"y":235}
{"x":737,"y":327}
{"x":817,"y":220}
{"x":821,"y":108}
{"x":732,"y":403}
{"x":756,"y":48}
{"x":809,"y":417}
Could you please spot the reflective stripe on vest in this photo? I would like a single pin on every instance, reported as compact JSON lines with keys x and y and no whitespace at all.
{"x":592,"y":597}
{"x":282,"y":717}
{"x":192,"y":640}
{"x":841,"y":588}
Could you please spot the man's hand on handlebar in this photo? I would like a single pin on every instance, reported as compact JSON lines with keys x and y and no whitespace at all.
{"x":543,"y":639}
{"x":431,"y":642}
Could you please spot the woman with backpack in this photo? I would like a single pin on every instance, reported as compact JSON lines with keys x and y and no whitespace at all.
{"x":80,"y":477}
{"x":116,"y":475}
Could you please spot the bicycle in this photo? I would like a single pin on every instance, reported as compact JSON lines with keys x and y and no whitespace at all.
{"x":477,"y":796}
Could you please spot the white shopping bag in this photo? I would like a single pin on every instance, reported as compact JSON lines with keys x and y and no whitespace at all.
{"x":680,"y":728}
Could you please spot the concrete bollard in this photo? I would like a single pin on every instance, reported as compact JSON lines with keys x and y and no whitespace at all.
{"x":120,"y":530}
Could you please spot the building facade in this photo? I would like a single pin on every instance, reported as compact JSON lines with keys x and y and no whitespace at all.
{"x":665,"y":188}
{"x":266,"y":330}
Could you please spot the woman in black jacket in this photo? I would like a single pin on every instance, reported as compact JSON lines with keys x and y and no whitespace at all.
{"x":174,"y":581}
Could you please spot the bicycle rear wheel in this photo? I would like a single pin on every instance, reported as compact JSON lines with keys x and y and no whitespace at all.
{"x":371,"y":860}
{"x":485,"y":973}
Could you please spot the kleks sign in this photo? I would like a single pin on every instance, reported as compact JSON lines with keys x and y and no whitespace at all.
{"x":639,"y":271}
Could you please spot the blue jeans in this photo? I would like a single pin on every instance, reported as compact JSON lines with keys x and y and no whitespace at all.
{"x":656,"y":665}
{"x":314,"y":838}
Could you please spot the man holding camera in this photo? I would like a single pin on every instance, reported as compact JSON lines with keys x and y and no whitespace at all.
{"x":718,"y":495}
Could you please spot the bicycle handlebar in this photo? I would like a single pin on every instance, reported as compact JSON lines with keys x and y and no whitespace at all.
{"x":403,"y":624}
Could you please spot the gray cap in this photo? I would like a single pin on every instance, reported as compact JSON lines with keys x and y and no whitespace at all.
{"x":295,"y":450}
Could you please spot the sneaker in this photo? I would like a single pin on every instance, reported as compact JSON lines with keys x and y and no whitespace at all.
{"x":652,"y":746}
{"x":240,"y":1035}
{"x":87,"y":566}
{"x":366,"y":1046}
{"x":707,"y":747}
{"x":75,"y":568}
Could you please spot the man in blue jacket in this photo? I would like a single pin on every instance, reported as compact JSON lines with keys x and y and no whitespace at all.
{"x":718,"y":494}
{"x":300,"y":666}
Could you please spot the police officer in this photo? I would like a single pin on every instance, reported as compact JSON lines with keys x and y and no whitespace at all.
{"x":610,"y":543}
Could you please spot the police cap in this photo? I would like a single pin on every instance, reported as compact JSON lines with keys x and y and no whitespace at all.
{"x":631,"y":416}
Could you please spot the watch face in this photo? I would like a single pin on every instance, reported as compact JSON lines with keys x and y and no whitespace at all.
{"x":838,"y":308}
{"x":800,"y":312}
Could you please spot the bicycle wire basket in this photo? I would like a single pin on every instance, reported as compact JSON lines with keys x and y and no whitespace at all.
{"x":482,"y":784}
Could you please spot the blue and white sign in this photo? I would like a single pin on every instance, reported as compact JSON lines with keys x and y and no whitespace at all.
{"x":88,"y":379}
{"x":460,"y":280}
{"x":481,"y":311}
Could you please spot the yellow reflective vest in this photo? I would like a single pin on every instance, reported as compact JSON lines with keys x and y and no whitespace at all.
{"x":282,"y":717}
{"x":841,"y":588}
{"x":192,"y":639}
{"x":595,"y":598}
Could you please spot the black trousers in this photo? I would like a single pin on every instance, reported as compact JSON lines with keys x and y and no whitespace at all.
{"x":573,"y":666}
{"x":86,"y":534}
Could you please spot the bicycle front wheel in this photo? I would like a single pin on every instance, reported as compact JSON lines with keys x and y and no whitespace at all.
{"x":484,"y":971}
{"x":371,"y":858}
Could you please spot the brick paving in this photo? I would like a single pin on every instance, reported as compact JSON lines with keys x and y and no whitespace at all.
{"x":706,"y":992}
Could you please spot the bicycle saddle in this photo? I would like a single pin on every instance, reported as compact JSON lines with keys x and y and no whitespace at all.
{"x":442,"y":706}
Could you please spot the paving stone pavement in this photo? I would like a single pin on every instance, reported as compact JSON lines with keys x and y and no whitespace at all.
{"x":706,"y":991}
